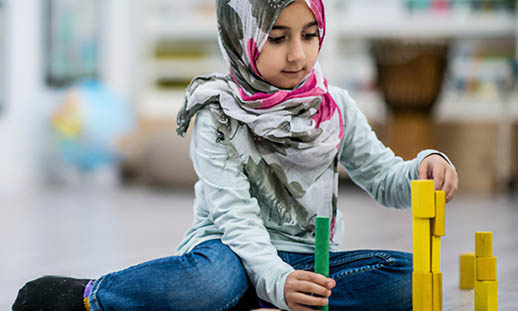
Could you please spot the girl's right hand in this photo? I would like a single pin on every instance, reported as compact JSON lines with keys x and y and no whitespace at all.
{"x":299,"y":287}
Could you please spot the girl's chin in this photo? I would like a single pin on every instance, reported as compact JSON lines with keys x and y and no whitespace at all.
{"x":287,"y":83}
{"x":286,"y":86}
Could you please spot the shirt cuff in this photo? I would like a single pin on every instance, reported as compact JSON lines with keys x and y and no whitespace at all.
{"x":280,"y":292}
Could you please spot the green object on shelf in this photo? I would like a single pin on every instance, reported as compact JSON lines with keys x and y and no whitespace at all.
{"x":171,"y":84}
{"x":322,"y":233}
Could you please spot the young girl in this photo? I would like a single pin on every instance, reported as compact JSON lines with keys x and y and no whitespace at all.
{"x":267,"y":141}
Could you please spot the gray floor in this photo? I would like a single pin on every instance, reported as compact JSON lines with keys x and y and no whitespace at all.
{"x":92,"y":230}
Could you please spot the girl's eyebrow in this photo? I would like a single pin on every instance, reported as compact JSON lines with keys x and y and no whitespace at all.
{"x":282,"y":27}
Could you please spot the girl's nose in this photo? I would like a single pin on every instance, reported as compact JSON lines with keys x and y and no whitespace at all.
{"x":296,"y":52}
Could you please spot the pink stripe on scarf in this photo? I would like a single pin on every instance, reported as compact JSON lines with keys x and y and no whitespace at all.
{"x":270,"y":100}
{"x":327,"y":110}
{"x":317,"y":7}
{"x":253,"y":53}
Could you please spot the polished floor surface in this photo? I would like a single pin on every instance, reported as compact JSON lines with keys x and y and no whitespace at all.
{"x":87,"y":231}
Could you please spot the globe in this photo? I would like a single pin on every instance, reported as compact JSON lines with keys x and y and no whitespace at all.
{"x":89,"y":124}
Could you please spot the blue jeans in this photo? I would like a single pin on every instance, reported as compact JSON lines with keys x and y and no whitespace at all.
{"x":211,"y":277}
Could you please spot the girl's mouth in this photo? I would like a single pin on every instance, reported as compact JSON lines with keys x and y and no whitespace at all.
{"x":293,"y":73}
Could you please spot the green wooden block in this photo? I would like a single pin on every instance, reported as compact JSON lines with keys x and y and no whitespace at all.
{"x":322,"y":235}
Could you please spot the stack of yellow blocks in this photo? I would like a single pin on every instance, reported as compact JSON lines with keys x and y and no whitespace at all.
{"x":478,"y":270}
{"x":428,"y":225}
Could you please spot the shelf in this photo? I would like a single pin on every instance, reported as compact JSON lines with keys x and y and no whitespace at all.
{"x":377,"y":25}
{"x":161,"y":104}
{"x":452,"y":106}
{"x":184,"y":69}
{"x":459,"y":107}
{"x":196,"y":28}
{"x":425,"y":25}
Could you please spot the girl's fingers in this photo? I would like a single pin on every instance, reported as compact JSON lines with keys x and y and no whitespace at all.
{"x":316,"y":278}
{"x":422,"y":171}
{"x":313,"y":288}
{"x":305,"y":288}
{"x":438,"y":176}
{"x":305,"y":299}
{"x":450,"y":184}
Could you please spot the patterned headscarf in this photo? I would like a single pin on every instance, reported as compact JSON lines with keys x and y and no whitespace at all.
{"x":291,"y":138}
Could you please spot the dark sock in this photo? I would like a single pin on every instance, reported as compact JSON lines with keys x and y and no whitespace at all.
{"x":51,"y":293}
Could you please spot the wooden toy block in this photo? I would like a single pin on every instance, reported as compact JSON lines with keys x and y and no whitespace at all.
{"x":436,"y":254}
{"x":421,"y":244}
{"x":423,"y":198}
{"x":483,"y":244}
{"x":437,"y":291}
{"x":422,"y":291}
{"x":467,"y":271}
{"x":486,"y":268}
{"x":322,"y":235}
{"x":486,"y":296}
{"x":439,"y":223}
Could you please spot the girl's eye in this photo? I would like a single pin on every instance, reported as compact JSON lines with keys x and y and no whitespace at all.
{"x":276,"y":40}
{"x":310,"y":36}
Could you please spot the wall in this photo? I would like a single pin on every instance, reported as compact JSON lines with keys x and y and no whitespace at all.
{"x":23,"y":93}
{"x":119,"y":48}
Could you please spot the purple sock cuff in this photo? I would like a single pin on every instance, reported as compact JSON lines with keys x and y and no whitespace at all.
{"x":88,"y":288}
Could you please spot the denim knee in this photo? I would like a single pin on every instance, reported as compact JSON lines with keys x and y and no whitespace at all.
{"x":372,"y":280}
{"x":222,"y":279}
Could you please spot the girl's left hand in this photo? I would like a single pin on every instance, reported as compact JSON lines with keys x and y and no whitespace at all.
{"x":443,"y":174}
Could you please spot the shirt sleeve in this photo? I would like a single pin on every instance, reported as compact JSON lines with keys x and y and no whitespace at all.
{"x":373,"y":166}
{"x":226,"y":190}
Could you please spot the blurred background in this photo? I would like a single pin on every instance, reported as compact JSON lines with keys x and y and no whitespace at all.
{"x":94,"y":178}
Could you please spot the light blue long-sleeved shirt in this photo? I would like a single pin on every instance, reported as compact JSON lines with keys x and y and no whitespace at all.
{"x":224,"y":208}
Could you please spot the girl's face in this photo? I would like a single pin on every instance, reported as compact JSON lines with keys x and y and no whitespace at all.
{"x":292,"y":47}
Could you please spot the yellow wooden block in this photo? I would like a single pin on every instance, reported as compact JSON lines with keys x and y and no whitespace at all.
{"x":437,"y":291}
{"x":486,"y":268}
{"x":422,"y":291}
{"x":423,"y":198}
{"x":483,"y":244}
{"x":421,"y":244}
{"x":467,"y":271}
{"x":439,"y":223}
{"x":486,"y":296}
{"x":436,"y":254}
